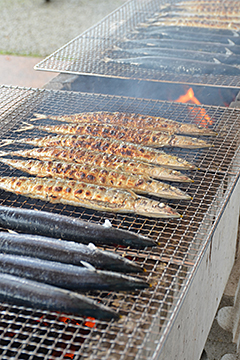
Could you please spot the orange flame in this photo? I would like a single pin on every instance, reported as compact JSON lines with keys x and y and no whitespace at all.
{"x":90,"y":322}
{"x":200,"y":116}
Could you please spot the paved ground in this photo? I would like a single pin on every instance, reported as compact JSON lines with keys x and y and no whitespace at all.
{"x":36,"y":28}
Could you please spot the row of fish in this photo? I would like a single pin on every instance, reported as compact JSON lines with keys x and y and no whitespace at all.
{"x":57,"y":269}
{"x":169,"y":41}
{"x":97,"y":187}
{"x":47,"y":273}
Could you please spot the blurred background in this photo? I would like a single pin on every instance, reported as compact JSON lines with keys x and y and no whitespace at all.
{"x":33,"y":29}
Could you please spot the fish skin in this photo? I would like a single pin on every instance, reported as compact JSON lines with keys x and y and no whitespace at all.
{"x":107,"y":161}
{"x":141,"y":136}
{"x":23,"y":292}
{"x":183,"y":33}
{"x":169,"y":64}
{"x":115,"y":147}
{"x":183,"y":45}
{"x":131,"y":120}
{"x":63,"y":251}
{"x":97,"y":176}
{"x":95,"y":197}
{"x":232,"y":59}
{"x":68,"y":276}
{"x":68,"y":228}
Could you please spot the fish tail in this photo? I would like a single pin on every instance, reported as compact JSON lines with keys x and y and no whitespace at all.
{"x":39,"y":117}
{"x":107,"y":59}
{"x":28,"y":127}
{"x":6,"y":142}
{"x":4,"y":153}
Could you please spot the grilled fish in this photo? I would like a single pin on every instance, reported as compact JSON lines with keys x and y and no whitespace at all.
{"x":132,"y":120}
{"x":97,"y":176}
{"x":69,"y":228}
{"x":95,"y":197}
{"x":68,"y":276}
{"x":141,"y":136}
{"x":23,"y":292}
{"x":67,"y":252}
{"x":115,"y":147}
{"x":107,"y":161}
{"x":176,"y":65}
{"x":204,"y":22}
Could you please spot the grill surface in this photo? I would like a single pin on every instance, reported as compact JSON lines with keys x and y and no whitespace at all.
{"x":86,"y":53}
{"x":147,"y":315}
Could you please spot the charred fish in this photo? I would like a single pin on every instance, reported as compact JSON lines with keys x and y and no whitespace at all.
{"x":115,"y":147}
{"x":131,"y":120}
{"x":94,"y":197}
{"x":106,"y":161}
{"x":141,"y":136}
{"x":97,"y":176}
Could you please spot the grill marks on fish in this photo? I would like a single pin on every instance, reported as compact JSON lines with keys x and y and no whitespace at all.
{"x":97,"y":176}
{"x":75,"y":193}
{"x":106,"y":161}
{"x":207,"y":14}
{"x":115,"y":147}
{"x":197,"y":22}
{"x":132,"y":120}
{"x":24,"y":292}
{"x":67,"y":276}
{"x":141,"y":136}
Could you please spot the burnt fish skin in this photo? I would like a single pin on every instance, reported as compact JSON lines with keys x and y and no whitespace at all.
{"x":69,"y":228}
{"x":68,"y":276}
{"x":23,"y":292}
{"x":179,"y":66}
{"x":67,"y":252}
{"x":229,"y":59}
{"x":182,"y":44}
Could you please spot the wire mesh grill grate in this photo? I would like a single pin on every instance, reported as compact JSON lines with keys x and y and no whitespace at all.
{"x":31,"y":334}
{"x":87,"y":53}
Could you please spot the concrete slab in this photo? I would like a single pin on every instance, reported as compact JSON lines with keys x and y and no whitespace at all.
{"x":18,"y":71}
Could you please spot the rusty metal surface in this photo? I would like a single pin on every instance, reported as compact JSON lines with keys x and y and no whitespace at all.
{"x":30,"y":334}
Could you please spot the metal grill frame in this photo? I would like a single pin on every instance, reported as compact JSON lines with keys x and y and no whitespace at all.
{"x":84,"y":54}
{"x":186,"y":245}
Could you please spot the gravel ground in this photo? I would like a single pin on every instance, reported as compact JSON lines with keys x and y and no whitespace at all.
{"x":37,"y":27}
